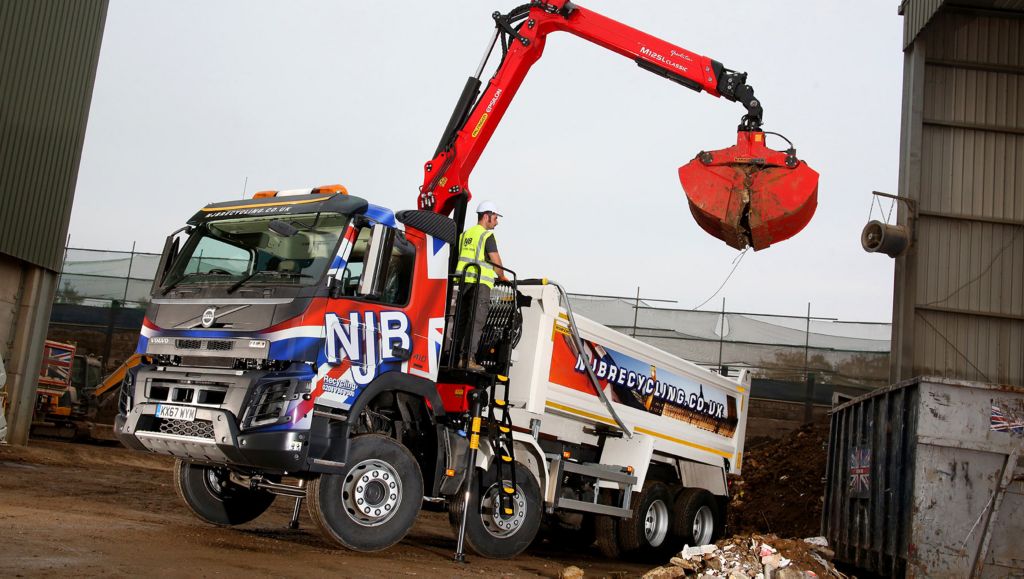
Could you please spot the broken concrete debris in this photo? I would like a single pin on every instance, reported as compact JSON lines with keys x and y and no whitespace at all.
{"x":752,"y":556}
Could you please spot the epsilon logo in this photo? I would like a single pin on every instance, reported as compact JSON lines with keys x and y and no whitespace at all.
{"x":209,"y":316}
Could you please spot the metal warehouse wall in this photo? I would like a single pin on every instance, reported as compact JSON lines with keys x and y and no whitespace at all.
{"x":48,"y":55}
{"x":49,"y":50}
{"x":959,"y":292}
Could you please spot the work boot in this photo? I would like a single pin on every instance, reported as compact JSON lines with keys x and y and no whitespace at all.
{"x":474,"y":367}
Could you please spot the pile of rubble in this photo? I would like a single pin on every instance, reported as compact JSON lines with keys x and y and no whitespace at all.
{"x":757,"y":556}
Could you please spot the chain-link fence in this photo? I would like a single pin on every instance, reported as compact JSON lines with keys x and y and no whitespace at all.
{"x":96,"y":277}
{"x":100,"y":301}
{"x":782,"y":348}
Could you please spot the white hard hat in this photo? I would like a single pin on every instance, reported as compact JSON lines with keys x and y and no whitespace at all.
{"x":488,"y":207}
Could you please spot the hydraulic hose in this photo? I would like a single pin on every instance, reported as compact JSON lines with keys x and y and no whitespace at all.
{"x":580,"y":348}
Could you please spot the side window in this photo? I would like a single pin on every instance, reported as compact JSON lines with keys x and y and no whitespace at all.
{"x":349,"y":278}
{"x":401,"y":263}
{"x":400,"y":267}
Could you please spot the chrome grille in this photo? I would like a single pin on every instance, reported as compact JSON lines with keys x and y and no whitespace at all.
{"x":195,"y":428}
{"x":200,"y":344}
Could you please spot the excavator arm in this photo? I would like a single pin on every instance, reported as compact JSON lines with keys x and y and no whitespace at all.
{"x":722,"y":186}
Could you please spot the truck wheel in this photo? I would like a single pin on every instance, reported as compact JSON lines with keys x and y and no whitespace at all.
{"x":607,"y":531}
{"x":607,"y":528}
{"x":490,"y":532}
{"x":211,"y":496}
{"x":374,"y":503}
{"x":647,"y":534}
{"x":695,"y":518}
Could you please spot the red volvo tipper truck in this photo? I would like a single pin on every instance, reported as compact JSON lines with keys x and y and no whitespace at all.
{"x":301,"y":345}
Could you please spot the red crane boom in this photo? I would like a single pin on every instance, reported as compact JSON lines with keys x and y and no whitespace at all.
{"x":745,"y":195}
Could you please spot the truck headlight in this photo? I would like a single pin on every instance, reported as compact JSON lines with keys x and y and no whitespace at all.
{"x":270,"y":403}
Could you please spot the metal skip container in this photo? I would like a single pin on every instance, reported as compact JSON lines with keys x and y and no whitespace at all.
{"x":925,"y":478}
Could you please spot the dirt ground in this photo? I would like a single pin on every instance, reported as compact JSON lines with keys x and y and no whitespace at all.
{"x":86,"y":510}
{"x":782,"y":488}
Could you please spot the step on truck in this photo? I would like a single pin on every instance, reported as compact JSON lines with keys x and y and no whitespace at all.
{"x":302,"y":343}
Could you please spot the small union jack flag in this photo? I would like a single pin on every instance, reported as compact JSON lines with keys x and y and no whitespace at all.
{"x":56,"y":367}
{"x":860,"y":472}
{"x":1003,"y":423}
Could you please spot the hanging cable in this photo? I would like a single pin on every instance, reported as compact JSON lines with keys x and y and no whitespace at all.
{"x":736,"y":261}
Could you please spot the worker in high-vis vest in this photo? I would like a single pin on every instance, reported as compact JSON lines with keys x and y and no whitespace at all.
{"x":479,"y":264}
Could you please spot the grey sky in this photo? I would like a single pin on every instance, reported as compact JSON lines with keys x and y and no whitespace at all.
{"x":192,"y":98}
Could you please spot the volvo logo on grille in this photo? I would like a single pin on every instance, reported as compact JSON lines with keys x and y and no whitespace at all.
{"x":209,"y":316}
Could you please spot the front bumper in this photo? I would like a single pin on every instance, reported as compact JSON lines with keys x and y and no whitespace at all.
{"x":223,"y":401}
{"x":214,"y":438}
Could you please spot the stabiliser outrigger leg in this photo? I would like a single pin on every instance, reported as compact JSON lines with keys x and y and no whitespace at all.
{"x":499,"y":431}
{"x":477,"y":400}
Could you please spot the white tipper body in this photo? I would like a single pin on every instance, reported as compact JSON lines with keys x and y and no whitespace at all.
{"x":699,"y":455}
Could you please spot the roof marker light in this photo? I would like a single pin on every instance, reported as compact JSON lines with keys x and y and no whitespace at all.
{"x":331,"y":189}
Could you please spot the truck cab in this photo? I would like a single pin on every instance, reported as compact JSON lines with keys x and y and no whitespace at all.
{"x":288,"y":332}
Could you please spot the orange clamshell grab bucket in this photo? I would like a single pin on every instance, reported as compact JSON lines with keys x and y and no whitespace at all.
{"x":749,"y":194}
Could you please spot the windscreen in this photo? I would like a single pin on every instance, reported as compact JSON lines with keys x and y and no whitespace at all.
{"x":291,"y":250}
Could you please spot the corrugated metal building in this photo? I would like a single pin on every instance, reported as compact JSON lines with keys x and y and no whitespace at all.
{"x":959,"y":291}
{"x":49,"y":50}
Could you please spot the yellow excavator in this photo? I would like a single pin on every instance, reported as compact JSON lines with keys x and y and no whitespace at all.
{"x":73,"y":401}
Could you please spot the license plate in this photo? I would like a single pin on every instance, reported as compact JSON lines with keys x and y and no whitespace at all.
{"x":176,"y":412}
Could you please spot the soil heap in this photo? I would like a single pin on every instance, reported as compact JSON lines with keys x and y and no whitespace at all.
{"x":781,"y":490}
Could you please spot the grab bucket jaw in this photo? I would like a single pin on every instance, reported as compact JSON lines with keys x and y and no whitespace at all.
{"x":748,"y":194}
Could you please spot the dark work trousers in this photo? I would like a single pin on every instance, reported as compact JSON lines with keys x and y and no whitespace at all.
{"x":474,"y":301}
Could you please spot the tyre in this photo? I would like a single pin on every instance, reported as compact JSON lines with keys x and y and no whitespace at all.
{"x":489,"y":531}
{"x":696,"y":519}
{"x":607,"y":530}
{"x":647,"y":534}
{"x":211,"y":496}
{"x":374,"y":502}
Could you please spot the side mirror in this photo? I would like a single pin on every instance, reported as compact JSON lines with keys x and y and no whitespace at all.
{"x":375,"y":266}
{"x":334,"y":287}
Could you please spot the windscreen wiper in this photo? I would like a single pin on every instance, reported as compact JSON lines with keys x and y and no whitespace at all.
{"x":169,"y":287}
{"x":239,"y":283}
{"x":242,"y":281}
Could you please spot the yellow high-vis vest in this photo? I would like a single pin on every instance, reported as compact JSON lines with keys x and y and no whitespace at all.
{"x":471,"y":251}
